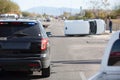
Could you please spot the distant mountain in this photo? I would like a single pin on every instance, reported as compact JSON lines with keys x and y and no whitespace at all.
{"x":52,"y":10}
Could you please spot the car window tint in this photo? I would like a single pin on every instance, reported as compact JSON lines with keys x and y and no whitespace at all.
{"x":9,"y":29}
{"x":114,"y":58}
{"x":43,"y":31}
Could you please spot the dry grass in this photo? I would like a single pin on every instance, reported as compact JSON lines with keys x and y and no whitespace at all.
{"x":117,"y":21}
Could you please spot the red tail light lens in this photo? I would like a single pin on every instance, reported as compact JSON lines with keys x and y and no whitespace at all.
{"x":33,"y":65}
{"x":44,"y":44}
{"x":115,"y":54}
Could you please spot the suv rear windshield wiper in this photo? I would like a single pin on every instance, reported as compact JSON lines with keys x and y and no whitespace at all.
{"x":18,"y":34}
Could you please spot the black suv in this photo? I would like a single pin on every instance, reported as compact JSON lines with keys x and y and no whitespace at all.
{"x":24,"y":46}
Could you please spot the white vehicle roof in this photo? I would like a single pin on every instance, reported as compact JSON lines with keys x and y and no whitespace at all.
{"x":108,"y":61}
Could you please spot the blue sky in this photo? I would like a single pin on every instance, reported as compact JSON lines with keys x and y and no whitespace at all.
{"x":26,"y":4}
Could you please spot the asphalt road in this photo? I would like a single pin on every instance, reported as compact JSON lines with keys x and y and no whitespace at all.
{"x":73,"y":58}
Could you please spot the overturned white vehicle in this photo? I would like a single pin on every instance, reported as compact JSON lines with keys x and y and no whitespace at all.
{"x":84,"y":27}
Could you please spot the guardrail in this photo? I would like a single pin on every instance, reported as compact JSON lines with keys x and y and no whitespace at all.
{"x":116,"y":26}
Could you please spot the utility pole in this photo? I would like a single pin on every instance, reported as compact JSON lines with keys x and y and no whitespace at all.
{"x":82,"y":12}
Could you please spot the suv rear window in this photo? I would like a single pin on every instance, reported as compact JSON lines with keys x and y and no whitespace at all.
{"x":22,"y":28}
{"x":114,"y":58}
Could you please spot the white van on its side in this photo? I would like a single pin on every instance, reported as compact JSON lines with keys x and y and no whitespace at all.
{"x":76,"y":27}
{"x":84,"y":27}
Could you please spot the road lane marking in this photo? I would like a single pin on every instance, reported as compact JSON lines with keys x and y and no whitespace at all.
{"x":83,"y":77}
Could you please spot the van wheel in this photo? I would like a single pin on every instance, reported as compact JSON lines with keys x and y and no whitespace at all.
{"x":46,"y":72}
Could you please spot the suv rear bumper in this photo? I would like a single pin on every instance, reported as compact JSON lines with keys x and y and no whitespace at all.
{"x":20,"y":65}
{"x":29,"y":64}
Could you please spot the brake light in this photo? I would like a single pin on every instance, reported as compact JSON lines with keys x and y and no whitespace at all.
{"x":33,"y":65}
{"x":44,"y":44}
{"x":16,"y":23}
{"x":1,"y":23}
{"x":115,"y":54}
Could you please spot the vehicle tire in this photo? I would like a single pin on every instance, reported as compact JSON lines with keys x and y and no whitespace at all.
{"x":46,"y":72}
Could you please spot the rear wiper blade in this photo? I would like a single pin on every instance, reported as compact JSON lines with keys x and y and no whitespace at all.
{"x":20,"y":34}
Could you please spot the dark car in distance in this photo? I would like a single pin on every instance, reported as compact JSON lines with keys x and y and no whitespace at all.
{"x":24,"y":46}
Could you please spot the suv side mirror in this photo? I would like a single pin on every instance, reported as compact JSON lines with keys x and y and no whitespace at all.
{"x":48,"y":34}
{"x":45,"y":25}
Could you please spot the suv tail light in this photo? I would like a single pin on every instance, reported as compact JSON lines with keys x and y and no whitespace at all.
{"x":115,"y":54}
{"x":44,"y":44}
